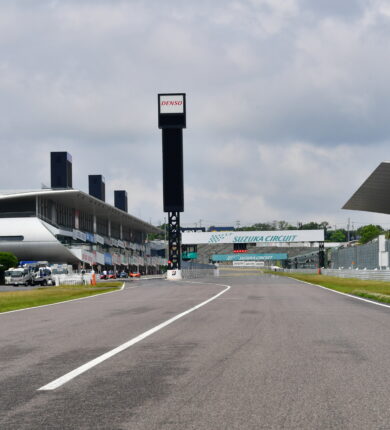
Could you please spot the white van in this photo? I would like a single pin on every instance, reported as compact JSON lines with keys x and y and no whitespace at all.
{"x":19,"y":276}
{"x":7,"y":276}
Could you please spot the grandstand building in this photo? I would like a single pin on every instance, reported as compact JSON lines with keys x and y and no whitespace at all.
{"x":66,"y":225}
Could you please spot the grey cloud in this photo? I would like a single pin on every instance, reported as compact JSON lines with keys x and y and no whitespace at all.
{"x":350,"y":9}
{"x":83,"y":76}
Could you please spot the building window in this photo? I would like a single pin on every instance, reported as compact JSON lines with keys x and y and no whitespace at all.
{"x":11,"y":238}
{"x":45,"y":209}
{"x":17,"y":207}
{"x":102,"y":226}
{"x":65,"y":216}
{"x":85,"y":222}
{"x":115,"y":230}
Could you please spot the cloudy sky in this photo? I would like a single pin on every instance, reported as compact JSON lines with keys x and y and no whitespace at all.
{"x":287,"y":101}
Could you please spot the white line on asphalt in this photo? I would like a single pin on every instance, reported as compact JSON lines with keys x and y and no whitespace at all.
{"x":65,"y":301}
{"x":344,"y":294}
{"x":76,"y":372}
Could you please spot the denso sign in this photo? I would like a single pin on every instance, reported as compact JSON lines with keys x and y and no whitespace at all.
{"x":172,"y":103}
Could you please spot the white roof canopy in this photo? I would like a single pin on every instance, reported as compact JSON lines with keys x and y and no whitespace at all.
{"x":374,"y":194}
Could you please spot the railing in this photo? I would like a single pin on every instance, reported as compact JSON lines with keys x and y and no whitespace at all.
{"x":378,"y":275}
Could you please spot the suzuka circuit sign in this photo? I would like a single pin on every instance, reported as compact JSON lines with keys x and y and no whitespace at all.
{"x":286,"y":236}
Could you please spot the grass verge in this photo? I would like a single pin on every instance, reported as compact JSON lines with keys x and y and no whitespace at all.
{"x":374,"y":290}
{"x":14,"y":300}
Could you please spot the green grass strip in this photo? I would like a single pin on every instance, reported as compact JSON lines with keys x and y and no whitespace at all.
{"x":14,"y":300}
{"x":373,"y":290}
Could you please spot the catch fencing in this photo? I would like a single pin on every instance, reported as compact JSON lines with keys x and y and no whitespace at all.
{"x":198,"y":270}
{"x":357,"y":257}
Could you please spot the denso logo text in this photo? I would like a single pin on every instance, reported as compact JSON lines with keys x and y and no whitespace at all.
{"x":171,"y":103}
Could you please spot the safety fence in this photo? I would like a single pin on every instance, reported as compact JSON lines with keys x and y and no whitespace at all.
{"x":378,"y":275}
{"x":306,"y":271}
{"x":75,"y":279}
{"x":366,"y":256}
{"x":198,"y":270}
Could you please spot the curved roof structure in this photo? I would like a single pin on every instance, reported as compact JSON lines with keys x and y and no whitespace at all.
{"x":374,"y":194}
{"x":85,"y":202}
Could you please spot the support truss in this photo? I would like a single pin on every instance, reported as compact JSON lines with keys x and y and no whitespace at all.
{"x":174,"y":241}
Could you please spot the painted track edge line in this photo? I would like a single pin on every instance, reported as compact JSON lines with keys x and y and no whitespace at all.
{"x":92,"y":363}
{"x":343,"y":294}
{"x":64,"y":301}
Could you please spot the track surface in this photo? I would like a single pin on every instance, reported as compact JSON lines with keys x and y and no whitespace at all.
{"x":270,"y":353}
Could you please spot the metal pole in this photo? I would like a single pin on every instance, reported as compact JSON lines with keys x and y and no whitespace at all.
{"x":321,"y":255}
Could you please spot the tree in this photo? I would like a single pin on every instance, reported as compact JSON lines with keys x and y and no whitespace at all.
{"x":159,"y":236}
{"x":369,"y":232}
{"x":284,"y":225}
{"x":7,"y":260}
{"x":311,"y":226}
{"x":257,"y":227}
{"x":337,"y":236}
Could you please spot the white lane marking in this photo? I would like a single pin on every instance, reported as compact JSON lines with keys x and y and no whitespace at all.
{"x":76,"y":372}
{"x":344,"y":294}
{"x":64,"y":301}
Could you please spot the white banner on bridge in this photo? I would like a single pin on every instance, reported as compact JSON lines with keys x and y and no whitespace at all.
{"x":286,"y":236}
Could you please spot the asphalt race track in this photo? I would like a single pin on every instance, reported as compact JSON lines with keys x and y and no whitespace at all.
{"x":268,"y":353}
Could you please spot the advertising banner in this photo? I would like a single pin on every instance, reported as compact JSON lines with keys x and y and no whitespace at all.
{"x":107,"y":259}
{"x":286,"y":236}
{"x":88,"y":257}
{"x":248,"y":257}
{"x":116,"y":259}
{"x":248,"y":263}
{"x":79,"y":235}
{"x":99,"y":239}
{"x":99,"y":257}
{"x":189,"y":255}
{"x":172,"y":103}
{"x":90,"y":237}
{"x":192,"y":229}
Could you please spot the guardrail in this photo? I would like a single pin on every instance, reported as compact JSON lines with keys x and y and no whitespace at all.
{"x":378,"y":275}
{"x":308,"y":271}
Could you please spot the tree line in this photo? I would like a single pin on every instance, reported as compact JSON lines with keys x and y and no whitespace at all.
{"x":363,"y":234}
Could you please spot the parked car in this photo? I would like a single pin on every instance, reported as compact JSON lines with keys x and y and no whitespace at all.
{"x":135,"y":275}
{"x":123,"y":274}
